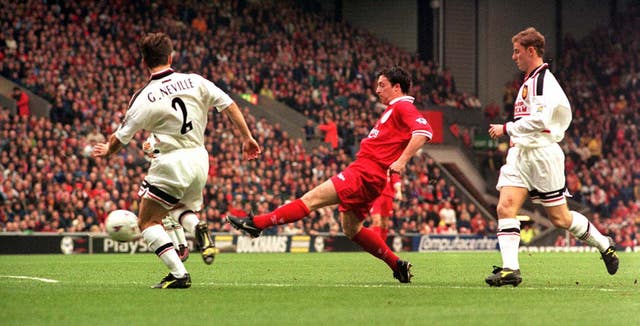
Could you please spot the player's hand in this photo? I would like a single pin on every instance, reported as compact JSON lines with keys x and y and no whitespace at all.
{"x":148,"y":149}
{"x":250,"y":149}
{"x":496,"y":130}
{"x":100,"y":150}
{"x":396,"y":167}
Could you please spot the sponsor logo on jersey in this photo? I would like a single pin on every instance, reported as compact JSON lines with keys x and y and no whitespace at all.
{"x":525,"y":92}
{"x":422,"y":121}
{"x":341,"y":176}
{"x":520,"y":109}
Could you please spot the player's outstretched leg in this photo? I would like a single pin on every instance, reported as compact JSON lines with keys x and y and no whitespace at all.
{"x":207,"y":247}
{"x":504,"y":276}
{"x":403,"y":272}
{"x":171,"y":282}
{"x":245,"y":224}
{"x":584,"y":230}
{"x":610,"y":257}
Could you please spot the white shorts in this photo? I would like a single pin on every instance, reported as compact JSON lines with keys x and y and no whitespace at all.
{"x":540,"y":170}
{"x":177,"y":177}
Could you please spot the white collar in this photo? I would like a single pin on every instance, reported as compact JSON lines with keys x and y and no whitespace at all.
{"x":402,"y":98}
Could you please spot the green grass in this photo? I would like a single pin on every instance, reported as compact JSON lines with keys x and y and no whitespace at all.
{"x":321,"y":288}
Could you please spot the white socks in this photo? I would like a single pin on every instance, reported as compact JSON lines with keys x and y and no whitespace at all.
{"x":175,"y":231}
{"x":509,"y":240}
{"x":160,"y":242}
{"x":180,"y":236}
{"x":189,"y":222}
{"x":172,"y":235}
{"x":583,"y":230}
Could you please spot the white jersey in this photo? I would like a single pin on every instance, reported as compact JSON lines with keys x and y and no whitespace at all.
{"x":542,"y":111}
{"x":174,"y":107}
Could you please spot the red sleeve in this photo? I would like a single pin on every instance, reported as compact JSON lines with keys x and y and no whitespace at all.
{"x":416,"y":121}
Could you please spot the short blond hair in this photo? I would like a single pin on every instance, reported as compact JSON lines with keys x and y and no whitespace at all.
{"x":530,"y":37}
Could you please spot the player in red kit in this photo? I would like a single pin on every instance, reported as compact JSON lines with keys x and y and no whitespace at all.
{"x":395,"y":138}
{"x":382,"y":208}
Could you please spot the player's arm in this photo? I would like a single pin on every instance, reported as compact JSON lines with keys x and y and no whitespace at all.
{"x":421,"y":132}
{"x":222,"y":102}
{"x":400,"y":165}
{"x":250,"y":146}
{"x":132,"y":123}
{"x":113,"y":145}
{"x":538,"y":120}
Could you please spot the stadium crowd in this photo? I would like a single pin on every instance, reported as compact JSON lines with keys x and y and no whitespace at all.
{"x":601,"y":77}
{"x":82,"y":57}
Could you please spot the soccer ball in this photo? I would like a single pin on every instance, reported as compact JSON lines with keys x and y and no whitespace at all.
{"x":122,"y":225}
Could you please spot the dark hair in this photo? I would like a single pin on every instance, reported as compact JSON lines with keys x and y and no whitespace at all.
{"x":156,"y":49}
{"x":530,"y":37}
{"x":397,"y":75}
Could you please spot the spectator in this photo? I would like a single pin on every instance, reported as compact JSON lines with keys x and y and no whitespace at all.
{"x":309,"y":130}
{"x":491,"y":111}
{"x":528,"y":233}
{"x":199,"y":24}
{"x":447,"y":214}
{"x":22,"y":102}
{"x":330,"y":131}
{"x":561,"y":241}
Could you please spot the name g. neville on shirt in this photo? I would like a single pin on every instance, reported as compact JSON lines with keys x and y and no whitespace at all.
{"x":169,"y":89}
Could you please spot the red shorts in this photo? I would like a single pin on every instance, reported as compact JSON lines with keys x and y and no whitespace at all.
{"x":359,"y":185}
{"x":383,"y":206}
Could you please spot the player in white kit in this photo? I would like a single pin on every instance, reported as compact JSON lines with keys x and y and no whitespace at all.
{"x":535,"y":162}
{"x":171,"y":225}
{"x":174,"y":107}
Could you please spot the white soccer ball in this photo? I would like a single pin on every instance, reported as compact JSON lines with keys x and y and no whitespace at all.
{"x":122,"y":225}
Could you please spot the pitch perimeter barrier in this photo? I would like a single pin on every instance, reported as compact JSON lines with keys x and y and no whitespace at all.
{"x":89,"y":243}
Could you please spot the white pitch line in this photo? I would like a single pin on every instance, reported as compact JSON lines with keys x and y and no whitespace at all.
{"x":408,"y":286}
{"x":46,"y":280}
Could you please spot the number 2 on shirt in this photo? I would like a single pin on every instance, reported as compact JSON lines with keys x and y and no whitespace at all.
{"x":186,"y":126}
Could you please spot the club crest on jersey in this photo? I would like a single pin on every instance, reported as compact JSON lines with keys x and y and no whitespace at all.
{"x":386,"y":116}
{"x":525,"y":92}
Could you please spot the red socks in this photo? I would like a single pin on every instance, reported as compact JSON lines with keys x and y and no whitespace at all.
{"x":296,"y":210}
{"x":371,"y":242}
{"x":291,"y":212}
{"x":383,"y":233}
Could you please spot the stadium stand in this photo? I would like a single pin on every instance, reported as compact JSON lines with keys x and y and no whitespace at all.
{"x":82,"y":57}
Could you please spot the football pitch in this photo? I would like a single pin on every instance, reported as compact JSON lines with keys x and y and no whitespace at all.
{"x":317,"y":289}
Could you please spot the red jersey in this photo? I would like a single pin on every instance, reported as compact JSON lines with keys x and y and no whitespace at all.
{"x":389,"y":189}
{"x":392,"y":132}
